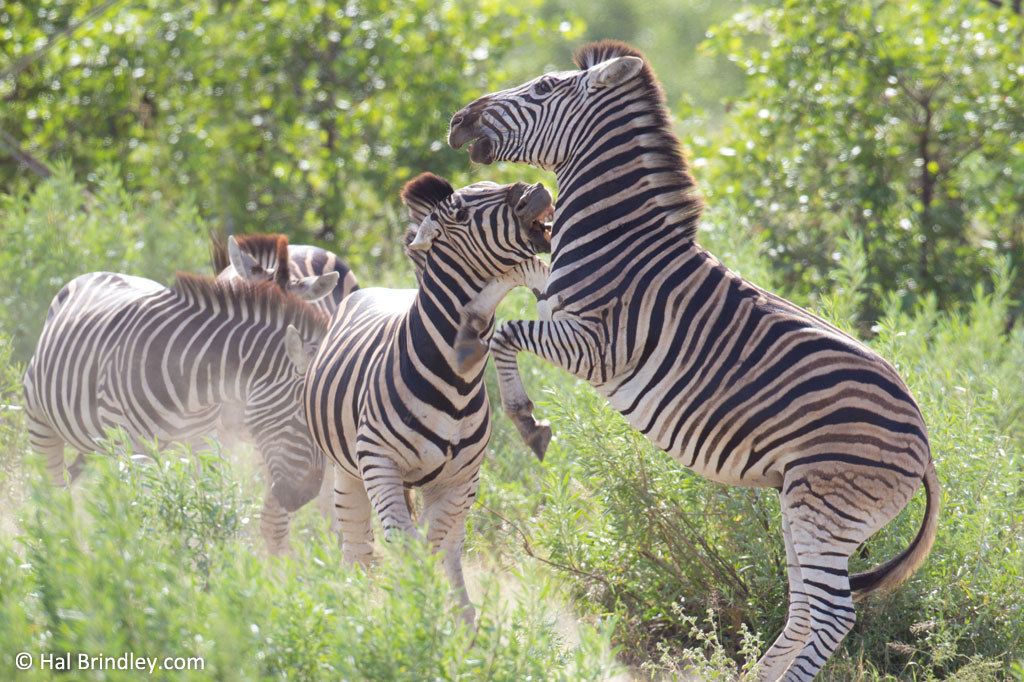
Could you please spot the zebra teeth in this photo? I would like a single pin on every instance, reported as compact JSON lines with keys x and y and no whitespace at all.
{"x":543,"y":222}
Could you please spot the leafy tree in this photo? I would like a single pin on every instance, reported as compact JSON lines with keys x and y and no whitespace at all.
{"x":275,"y":115}
{"x":901,"y":121}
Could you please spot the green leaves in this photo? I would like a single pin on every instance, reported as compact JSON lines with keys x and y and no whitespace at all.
{"x":901,"y":121}
{"x":274,"y":115}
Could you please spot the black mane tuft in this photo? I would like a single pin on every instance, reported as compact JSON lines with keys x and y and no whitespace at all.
{"x":426,"y":189}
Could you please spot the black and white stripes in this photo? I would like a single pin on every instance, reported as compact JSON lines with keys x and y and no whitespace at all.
{"x":167,"y":364}
{"x":385,"y":396}
{"x":734,"y":382}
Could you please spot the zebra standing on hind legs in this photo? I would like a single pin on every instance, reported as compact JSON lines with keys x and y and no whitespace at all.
{"x":734,"y":382}
{"x":167,"y":363}
{"x":384,"y":394}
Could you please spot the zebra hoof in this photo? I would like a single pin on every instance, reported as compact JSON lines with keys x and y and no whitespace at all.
{"x":537,"y":435}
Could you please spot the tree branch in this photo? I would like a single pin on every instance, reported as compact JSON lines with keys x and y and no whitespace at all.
{"x":13,"y":148}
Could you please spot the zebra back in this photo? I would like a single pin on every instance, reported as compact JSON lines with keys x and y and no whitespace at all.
{"x":164,"y":363}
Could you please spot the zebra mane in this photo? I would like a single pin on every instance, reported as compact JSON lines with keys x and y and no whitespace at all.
{"x":251,"y":300}
{"x":667,"y":144}
{"x":425,"y":191}
{"x":264,"y":248}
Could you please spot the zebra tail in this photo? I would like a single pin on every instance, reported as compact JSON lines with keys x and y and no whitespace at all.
{"x":899,"y":568}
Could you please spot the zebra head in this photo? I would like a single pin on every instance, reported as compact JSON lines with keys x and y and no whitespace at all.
{"x":489,"y":227}
{"x":544,"y":121}
{"x":265,"y":258}
{"x":275,"y":415}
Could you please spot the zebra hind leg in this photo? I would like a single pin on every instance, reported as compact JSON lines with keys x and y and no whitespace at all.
{"x":828,"y":513}
{"x":275,"y":525}
{"x":791,"y":641}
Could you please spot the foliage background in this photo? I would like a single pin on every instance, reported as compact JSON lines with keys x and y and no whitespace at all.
{"x":864,"y":158}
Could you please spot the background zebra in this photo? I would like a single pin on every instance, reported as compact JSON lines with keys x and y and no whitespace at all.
{"x":164,"y":364}
{"x":311,"y":273}
{"x":383,"y":394}
{"x":734,"y":382}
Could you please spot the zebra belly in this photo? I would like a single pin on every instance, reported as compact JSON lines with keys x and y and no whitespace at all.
{"x":662,"y":424}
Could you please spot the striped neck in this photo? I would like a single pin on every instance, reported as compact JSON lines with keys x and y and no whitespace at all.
{"x":627,"y":175}
{"x":445,"y":288}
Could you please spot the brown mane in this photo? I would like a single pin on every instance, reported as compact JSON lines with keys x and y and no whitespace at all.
{"x":265,"y":248}
{"x":668,"y":144}
{"x":252,"y":300}
{"x":426,"y":189}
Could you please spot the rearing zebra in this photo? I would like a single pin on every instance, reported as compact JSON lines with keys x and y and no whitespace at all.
{"x":165,"y":363}
{"x":384,"y":395}
{"x":734,"y":382}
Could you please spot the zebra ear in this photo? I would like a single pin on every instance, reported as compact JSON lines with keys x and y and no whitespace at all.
{"x":244,"y":264}
{"x":425,"y":234}
{"x":296,"y":349}
{"x":314,"y":287}
{"x":613,"y":72}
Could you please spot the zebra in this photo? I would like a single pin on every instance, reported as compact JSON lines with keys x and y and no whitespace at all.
{"x":312,"y":273}
{"x":383,"y":396}
{"x":734,"y":382}
{"x":165,"y":363}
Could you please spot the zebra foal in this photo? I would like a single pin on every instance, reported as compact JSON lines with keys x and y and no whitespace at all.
{"x":167,"y":364}
{"x":734,"y":382}
{"x":384,"y":395}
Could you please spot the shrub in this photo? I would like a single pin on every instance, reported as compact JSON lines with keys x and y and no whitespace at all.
{"x":113,"y":569}
{"x":61,"y":230}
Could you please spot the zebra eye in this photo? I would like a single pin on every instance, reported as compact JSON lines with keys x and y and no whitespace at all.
{"x":542,"y":87}
{"x":462,"y":215}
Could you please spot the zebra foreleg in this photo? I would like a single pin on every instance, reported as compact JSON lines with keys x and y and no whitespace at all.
{"x":48,"y":443}
{"x":354,"y":517}
{"x":565,"y":343}
{"x":275,"y":524}
{"x":386,"y":489}
{"x":325,"y":499}
{"x":475,"y":318}
{"x":444,"y":515}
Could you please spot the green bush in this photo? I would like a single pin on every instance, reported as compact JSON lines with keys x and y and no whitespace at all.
{"x":112,"y":569}
{"x":272,"y":115}
{"x":899,"y":121}
{"x":61,"y":230}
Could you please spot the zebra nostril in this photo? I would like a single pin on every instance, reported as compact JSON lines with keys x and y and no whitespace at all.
{"x":457,"y":120}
